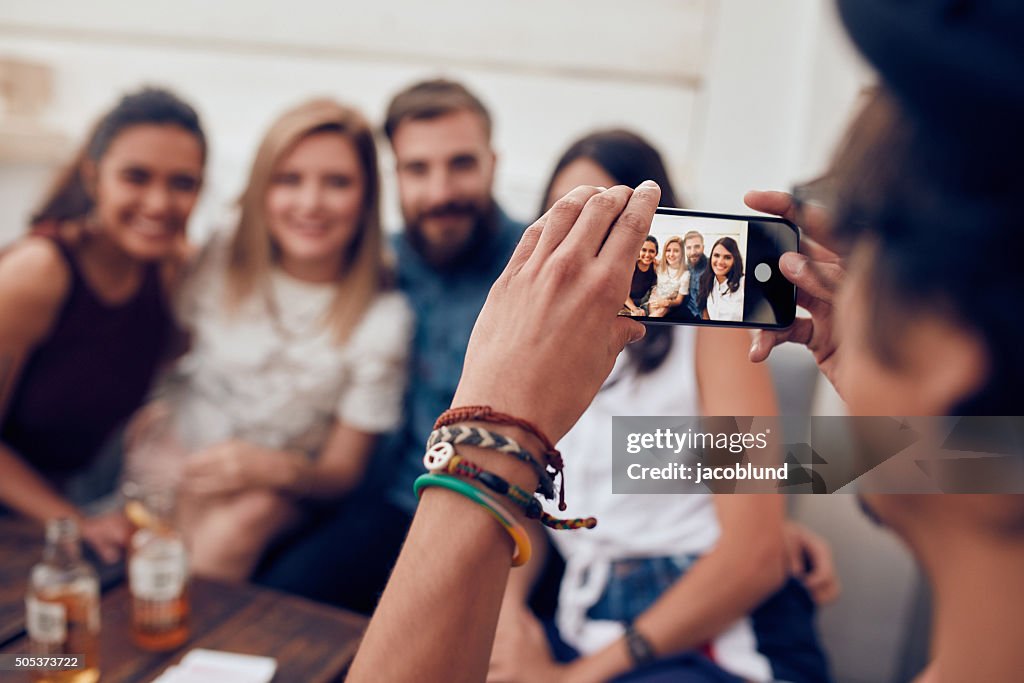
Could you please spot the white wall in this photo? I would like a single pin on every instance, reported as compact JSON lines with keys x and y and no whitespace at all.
{"x":549,"y":71}
{"x":781,"y":79}
{"x":728,"y":89}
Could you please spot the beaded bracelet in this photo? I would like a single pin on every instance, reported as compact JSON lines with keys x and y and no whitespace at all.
{"x":478,"y":436}
{"x":489,"y":414}
{"x":443,"y":458}
{"x":519,"y":536}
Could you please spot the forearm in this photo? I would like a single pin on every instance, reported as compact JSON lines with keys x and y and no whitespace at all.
{"x":337,"y":469}
{"x":26,"y":492}
{"x":521,"y":580}
{"x":454,"y":594}
{"x":449,"y":581}
{"x":295,"y":474}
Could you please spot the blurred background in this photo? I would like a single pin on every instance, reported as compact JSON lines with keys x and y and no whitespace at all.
{"x":737,"y":94}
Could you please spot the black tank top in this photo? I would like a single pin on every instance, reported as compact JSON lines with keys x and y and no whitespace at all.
{"x":88,"y":376}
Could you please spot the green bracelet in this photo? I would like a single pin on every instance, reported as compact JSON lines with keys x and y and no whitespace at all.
{"x":499,"y":512}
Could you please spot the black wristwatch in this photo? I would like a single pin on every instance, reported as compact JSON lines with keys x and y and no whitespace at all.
{"x":639,"y":647}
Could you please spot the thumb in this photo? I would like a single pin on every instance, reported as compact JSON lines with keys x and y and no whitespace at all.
{"x":627,"y":332}
{"x":815,"y":278}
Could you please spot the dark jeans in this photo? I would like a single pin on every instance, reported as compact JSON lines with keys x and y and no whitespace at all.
{"x":343,"y":556}
{"x":681,"y":313}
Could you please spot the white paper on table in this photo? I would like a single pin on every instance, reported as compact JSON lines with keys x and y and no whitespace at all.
{"x":212,"y":666}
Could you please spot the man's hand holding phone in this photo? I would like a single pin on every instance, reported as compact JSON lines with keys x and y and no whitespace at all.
{"x":816,"y":273}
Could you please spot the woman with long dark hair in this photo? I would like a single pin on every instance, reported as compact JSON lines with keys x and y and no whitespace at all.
{"x":645,"y":277}
{"x":721,"y":285}
{"x":84,"y":302}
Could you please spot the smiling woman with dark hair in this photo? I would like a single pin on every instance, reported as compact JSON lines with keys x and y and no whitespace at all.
{"x":721,"y":285}
{"x":84,"y":302}
{"x":645,"y":276}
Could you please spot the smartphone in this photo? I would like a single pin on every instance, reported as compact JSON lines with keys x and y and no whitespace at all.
{"x":724,"y":267}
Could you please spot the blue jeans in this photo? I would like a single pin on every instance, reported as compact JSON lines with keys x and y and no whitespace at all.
{"x":635,"y":584}
{"x":783,"y":624}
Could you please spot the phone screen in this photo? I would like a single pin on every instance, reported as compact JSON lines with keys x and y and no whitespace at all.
{"x":713,"y":269}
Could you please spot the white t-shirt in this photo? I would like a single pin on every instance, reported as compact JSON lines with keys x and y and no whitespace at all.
{"x":723,"y":304}
{"x":282,"y":381}
{"x":636,"y":525}
{"x":671,"y":282}
{"x":685,"y":523}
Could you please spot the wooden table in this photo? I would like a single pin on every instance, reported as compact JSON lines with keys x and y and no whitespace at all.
{"x":311,"y":642}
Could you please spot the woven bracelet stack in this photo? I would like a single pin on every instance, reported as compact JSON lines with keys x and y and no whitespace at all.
{"x":448,"y":469}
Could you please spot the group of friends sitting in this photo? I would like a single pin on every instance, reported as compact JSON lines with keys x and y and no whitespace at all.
{"x":680,"y":285}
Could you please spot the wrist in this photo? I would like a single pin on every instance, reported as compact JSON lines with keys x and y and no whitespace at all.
{"x":527,"y":409}
{"x":641,"y":651}
{"x":509,"y":467}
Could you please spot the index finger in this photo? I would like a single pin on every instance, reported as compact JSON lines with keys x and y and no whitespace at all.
{"x":770,"y":201}
{"x":813,"y":221}
{"x":561,"y":218}
{"x":633,"y":225}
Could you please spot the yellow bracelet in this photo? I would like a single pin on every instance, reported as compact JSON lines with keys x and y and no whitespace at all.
{"x":516,"y":530}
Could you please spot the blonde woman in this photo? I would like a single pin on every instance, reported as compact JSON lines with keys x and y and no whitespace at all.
{"x":298,"y":345}
{"x":673,"y":279}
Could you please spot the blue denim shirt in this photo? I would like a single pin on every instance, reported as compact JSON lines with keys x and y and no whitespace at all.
{"x":446,"y":304}
{"x":695,"y":274}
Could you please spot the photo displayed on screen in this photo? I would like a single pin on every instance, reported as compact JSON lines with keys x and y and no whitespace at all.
{"x":695,"y":269}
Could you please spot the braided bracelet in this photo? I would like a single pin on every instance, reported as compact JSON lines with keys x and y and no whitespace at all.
{"x":478,"y":436}
{"x":489,"y":414}
{"x":443,"y":458}
{"x":519,"y":536}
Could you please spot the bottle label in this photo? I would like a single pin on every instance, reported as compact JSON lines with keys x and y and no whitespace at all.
{"x":160,"y":577}
{"x":47,"y":622}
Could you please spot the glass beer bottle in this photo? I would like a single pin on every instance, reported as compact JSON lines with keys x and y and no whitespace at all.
{"x":157,"y":574}
{"x":62,"y":607}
